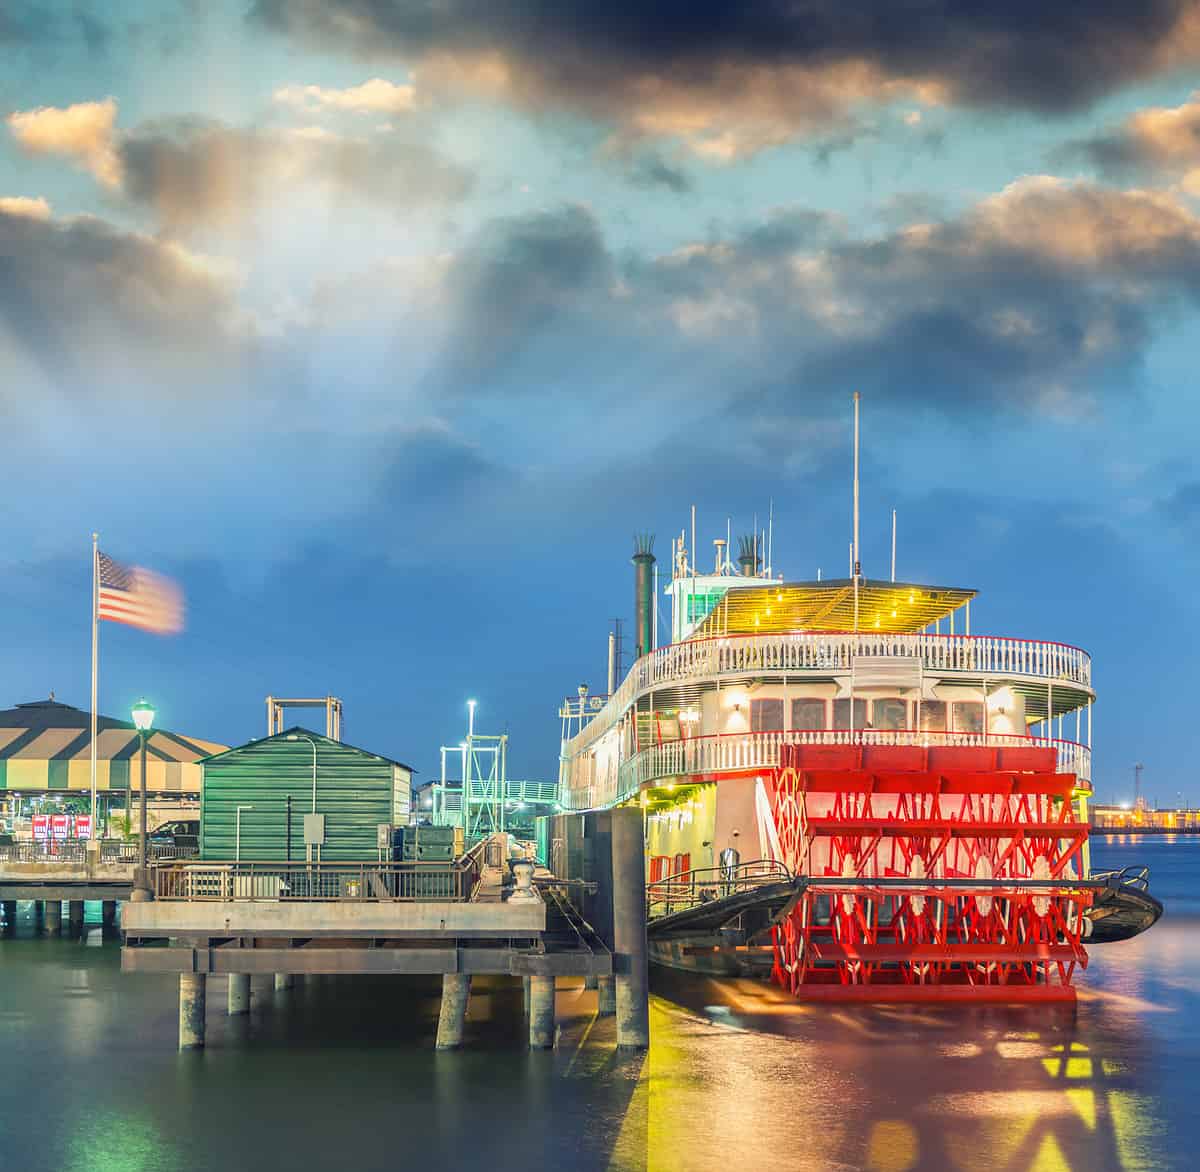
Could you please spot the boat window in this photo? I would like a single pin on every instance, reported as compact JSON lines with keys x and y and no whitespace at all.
{"x":668,"y":728}
{"x":890,"y":713}
{"x":841,"y":714}
{"x":968,"y":716}
{"x":808,"y":713}
{"x":766,"y":715}
{"x":933,"y":715}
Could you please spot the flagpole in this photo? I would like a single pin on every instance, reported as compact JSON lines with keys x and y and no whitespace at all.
{"x":95,"y":650}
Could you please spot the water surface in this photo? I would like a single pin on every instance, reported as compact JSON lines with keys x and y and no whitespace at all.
{"x":341,"y":1072}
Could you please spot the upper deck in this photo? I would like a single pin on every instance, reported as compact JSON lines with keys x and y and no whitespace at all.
{"x":1054,"y":678}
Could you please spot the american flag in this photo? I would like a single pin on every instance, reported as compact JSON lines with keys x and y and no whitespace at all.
{"x":140,"y":598}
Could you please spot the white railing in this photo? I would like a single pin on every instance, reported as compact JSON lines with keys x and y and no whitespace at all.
{"x":737,"y":751}
{"x":738,"y":655}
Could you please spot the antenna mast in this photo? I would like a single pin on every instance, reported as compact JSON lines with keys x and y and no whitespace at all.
{"x":857,"y":566}
{"x":893,"y":545}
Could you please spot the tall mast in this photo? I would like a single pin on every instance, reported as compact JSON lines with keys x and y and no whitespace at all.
{"x":857,"y":567}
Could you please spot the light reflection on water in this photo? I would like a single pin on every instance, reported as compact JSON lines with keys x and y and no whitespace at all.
{"x":341,"y":1073}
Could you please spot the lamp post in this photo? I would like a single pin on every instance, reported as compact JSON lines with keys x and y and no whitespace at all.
{"x":308,"y":851}
{"x":143,"y":719}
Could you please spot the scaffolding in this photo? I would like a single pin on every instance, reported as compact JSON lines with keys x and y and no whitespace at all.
{"x":484,"y":781}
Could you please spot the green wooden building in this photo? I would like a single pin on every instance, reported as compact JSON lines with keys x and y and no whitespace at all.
{"x":274,"y":781}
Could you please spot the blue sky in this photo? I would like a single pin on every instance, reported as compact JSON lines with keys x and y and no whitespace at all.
{"x":383,"y":326}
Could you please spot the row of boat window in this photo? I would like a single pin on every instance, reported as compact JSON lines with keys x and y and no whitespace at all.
{"x":891,"y":712}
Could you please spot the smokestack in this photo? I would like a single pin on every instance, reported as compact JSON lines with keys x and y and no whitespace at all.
{"x":643,"y":591}
{"x":748,"y":557}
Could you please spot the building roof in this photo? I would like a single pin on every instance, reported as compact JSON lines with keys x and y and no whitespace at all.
{"x":892,"y":607}
{"x":50,"y":730}
{"x":322,"y":741}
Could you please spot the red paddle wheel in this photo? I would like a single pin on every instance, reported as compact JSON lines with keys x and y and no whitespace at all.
{"x":865,"y":813}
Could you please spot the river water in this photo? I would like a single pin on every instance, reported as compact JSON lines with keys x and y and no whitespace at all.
{"x":341,"y":1073}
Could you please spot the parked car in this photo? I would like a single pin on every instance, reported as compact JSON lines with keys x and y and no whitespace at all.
{"x":182,"y":834}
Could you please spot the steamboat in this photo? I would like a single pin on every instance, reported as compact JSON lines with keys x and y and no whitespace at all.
{"x":845,"y":787}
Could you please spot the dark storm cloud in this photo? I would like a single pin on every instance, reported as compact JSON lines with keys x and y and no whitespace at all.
{"x":87,"y":309}
{"x":198,"y":172}
{"x":776,"y":60}
{"x":1044,"y":297}
{"x":520,"y":295}
{"x":651,"y":170}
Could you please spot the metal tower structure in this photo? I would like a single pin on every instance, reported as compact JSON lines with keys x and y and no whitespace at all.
{"x":484,"y":764}
{"x":331,"y":704}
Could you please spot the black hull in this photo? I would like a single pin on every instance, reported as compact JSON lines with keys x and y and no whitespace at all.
{"x":1120,"y":913}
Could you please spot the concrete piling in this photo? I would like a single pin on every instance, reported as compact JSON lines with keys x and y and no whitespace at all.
{"x":525,"y":989}
{"x":238,"y":995}
{"x":606,"y":996}
{"x":192,"y":1004}
{"x":541,"y":1013}
{"x":75,"y":916}
{"x":108,"y":913}
{"x":52,"y":917}
{"x":456,"y":991}
{"x":629,"y":929}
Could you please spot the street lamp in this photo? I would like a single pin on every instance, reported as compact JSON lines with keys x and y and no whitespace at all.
{"x":143,"y":719}
{"x":308,"y":843}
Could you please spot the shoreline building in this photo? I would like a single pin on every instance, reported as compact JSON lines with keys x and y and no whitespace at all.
{"x":45,"y":754}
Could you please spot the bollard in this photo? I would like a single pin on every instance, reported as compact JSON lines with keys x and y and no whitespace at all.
{"x":75,"y":916}
{"x":52,"y":917}
{"x":541,"y":1013}
{"x":606,"y":996}
{"x":456,"y":990}
{"x":191,"y":1010}
{"x":284,"y":981}
{"x":238,"y":995}
{"x":629,"y":929}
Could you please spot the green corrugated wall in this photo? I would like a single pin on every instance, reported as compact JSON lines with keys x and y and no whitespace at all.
{"x":354,"y":792}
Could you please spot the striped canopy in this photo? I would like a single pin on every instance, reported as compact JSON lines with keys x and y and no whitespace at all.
{"x":46,"y":745}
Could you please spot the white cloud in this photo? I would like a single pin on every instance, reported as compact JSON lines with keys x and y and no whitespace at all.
{"x":376,"y":96}
{"x":83,"y":132}
{"x":22,"y":205}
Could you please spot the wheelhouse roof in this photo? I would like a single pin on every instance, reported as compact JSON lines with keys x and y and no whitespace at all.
{"x":891,"y":607}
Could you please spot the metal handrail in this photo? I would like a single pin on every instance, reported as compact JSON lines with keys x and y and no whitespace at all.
{"x":694,"y":660}
{"x":760,"y":750}
{"x":409,"y":882}
{"x":112,"y":852}
{"x":688,"y":889}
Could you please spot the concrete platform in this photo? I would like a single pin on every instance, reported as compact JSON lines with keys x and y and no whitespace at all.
{"x":341,"y":918}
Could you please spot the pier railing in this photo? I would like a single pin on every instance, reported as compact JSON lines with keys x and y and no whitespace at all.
{"x":113,"y":852}
{"x":677,"y":893}
{"x":730,"y":752}
{"x":813,"y":653}
{"x":409,"y":882}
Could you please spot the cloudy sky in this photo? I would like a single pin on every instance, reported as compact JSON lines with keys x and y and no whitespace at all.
{"x":383,"y":324}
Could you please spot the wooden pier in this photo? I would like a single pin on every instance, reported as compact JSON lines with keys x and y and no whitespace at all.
{"x":462,"y":919}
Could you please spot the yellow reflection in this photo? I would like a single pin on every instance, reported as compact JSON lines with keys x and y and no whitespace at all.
{"x":892,"y":1146}
{"x":1049,"y":1157}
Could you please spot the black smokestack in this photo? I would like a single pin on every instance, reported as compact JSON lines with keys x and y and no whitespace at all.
{"x":748,"y":557}
{"x":643,"y":591}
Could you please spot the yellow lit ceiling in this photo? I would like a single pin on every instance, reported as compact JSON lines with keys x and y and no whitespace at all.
{"x":892,"y":607}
